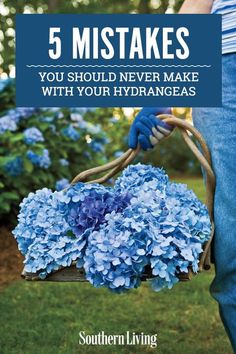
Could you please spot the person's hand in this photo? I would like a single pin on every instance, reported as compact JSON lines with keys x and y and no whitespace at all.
{"x":147,"y":129}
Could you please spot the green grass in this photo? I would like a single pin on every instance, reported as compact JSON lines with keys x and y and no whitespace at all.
{"x":46,"y":318}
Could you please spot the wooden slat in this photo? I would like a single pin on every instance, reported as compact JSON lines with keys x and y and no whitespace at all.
{"x":73,"y":274}
{"x":68,"y":274}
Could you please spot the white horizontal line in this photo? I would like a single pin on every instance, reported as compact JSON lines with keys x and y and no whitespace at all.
{"x":116,"y":66}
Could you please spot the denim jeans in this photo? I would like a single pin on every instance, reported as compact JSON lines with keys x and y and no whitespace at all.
{"x":218,"y":126}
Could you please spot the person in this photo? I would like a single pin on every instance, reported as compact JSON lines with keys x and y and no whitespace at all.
{"x":218,"y":127}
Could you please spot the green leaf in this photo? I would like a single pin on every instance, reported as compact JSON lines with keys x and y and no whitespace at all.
{"x":28,"y":166}
{"x":38,"y":149}
{"x":17,"y":137}
{"x":43,"y":126}
{"x":5,"y":207}
{"x":5,"y":159}
{"x":70,"y":234}
{"x":9,"y":196}
{"x":40,"y":146}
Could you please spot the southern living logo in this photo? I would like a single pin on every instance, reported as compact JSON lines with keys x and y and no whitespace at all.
{"x":129,"y":338}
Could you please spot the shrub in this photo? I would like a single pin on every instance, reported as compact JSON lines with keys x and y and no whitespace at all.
{"x":41,"y":146}
{"x":46,"y":147}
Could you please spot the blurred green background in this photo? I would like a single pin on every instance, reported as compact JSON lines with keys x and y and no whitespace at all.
{"x":8,"y":9}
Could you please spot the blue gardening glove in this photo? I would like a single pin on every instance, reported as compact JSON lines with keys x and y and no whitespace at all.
{"x":147,"y":129}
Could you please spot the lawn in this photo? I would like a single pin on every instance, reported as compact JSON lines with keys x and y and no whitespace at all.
{"x":46,"y":318}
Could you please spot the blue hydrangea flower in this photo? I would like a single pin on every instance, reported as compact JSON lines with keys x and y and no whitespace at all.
{"x":87,"y":155}
{"x":173,"y":222}
{"x":14,"y":115}
{"x":157,"y":227}
{"x":177,"y":224}
{"x":42,"y":229}
{"x":59,"y":115}
{"x":96,"y":146}
{"x":118,"y":154}
{"x":71,"y":132}
{"x":7,"y":124}
{"x":30,"y":221}
{"x":77,"y":117}
{"x":32,"y":136}
{"x":89,"y":203}
{"x":48,"y":119}
{"x":43,"y":235}
{"x":49,"y":255}
{"x":64,"y":162}
{"x":62,"y":184}
{"x":169,"y":240}
{"x":115,"y":256}
{"x":42,"y":161}
{"x":134,"y":176}
{"x":14,"y":167}
{"x":25,"y":112}
{"x":82,"y":110}
{"x":84,"y":207}
{"x":4,"y":83}
{"x":82,"y":124}
{"x":21,"y":113}
{"x":114,"y":120}
{"x":93,"y":128}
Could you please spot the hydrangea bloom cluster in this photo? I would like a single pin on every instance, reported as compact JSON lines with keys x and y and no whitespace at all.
{"x":134,"y":177}
{"x":88,"y":205}
{"x":4,"y":83}
{"x":76,"y":117}
{"x":71,"y":132}
{"x":62,"y":184}
{"x":158,"y":228}
{"x":7,"y":124}
{"x":42,"y":234}
{"x":32,"y":136}
{"x":12,"y":118}
{"x":169,"y":224}
{"x":53,"y":130}
{"x":115,"y":256}
{"x":64,"y":162}
{"x":14,"y":167}
{"x":42,"y":161}
{"x":118,"y":154}
{"x":21,"y":113}
{"x":97,"y":146}
{"x":29,"y":222}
